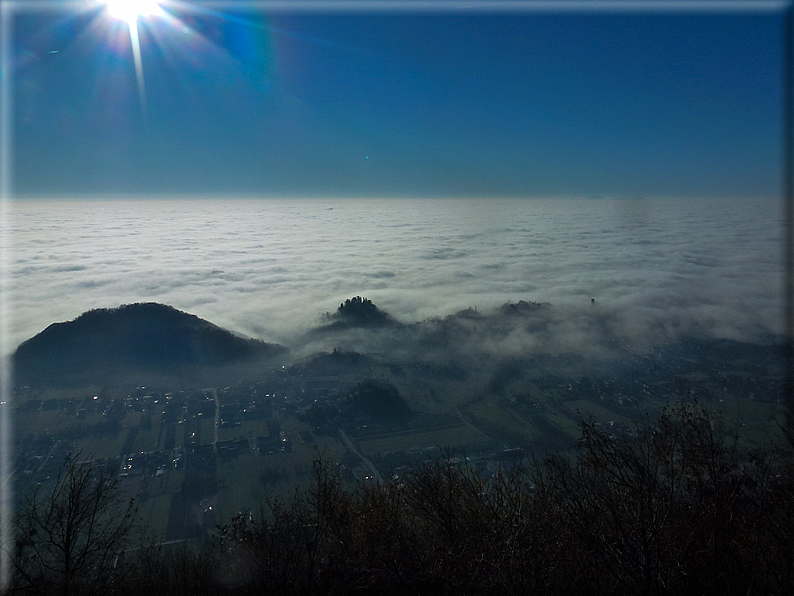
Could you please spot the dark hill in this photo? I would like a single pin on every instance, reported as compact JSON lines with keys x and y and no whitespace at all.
{"x":104,"y":344}
{"x":334,"y":363}
{"x":359,"y":312}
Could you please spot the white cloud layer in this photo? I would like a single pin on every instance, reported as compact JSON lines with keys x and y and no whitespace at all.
{"x":269,"y":269}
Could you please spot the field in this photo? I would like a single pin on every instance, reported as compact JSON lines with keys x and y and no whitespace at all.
{"x":455,"y":437}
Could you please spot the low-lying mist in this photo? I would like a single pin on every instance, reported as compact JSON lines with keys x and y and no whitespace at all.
{"x":657,"y":269}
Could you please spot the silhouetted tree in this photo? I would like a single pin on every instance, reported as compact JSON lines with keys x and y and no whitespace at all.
{"x":668,"y":507}
{"x":70,"y":532}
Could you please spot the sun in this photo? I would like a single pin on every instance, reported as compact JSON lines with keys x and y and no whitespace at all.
{"x":131,"y":10}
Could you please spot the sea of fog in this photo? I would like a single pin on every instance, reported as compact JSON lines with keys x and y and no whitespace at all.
{"x":269,"y":269}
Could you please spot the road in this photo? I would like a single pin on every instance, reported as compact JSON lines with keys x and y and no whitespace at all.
{"x":217,"y":420}
{"x":349,"y":444}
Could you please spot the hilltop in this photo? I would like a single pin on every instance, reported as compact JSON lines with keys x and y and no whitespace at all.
{"x":359,"y":312}
{"x":133,"y":339}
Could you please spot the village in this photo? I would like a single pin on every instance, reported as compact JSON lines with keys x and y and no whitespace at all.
{"x":192,"y":459}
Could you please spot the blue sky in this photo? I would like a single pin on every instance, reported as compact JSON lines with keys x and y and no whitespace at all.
{"x":368,"y":103}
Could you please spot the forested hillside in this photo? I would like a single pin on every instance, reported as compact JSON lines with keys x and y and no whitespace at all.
{"x":665,"y":507}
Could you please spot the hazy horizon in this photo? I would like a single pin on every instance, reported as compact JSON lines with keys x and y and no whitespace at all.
{"x":658,"y":269}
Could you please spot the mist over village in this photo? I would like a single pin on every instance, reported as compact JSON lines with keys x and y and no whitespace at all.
{"x":211,"y":432}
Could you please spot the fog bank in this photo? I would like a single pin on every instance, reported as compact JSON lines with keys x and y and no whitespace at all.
{"x":657,"y":269}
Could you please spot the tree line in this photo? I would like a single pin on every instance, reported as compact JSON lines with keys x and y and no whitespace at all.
{"x":668,"y":507}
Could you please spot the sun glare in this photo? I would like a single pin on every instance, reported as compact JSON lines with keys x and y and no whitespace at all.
{"x":130,"y":10}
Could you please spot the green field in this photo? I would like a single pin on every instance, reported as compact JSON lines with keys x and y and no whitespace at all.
{"x":455,"y":438}
{"x":247,"y":430}
{"x":148,"y":439}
